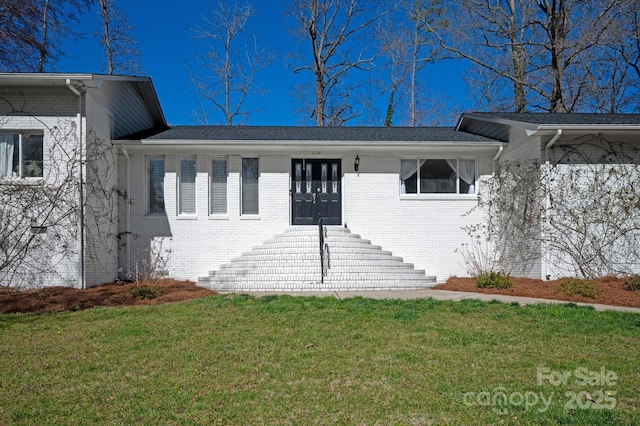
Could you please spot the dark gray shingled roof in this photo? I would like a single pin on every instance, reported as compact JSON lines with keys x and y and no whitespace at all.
{"x":564,"y":119}
{"x":497,"y":125}
{"x":295,"y":133}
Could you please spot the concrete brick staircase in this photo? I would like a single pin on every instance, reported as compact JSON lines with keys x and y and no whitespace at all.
{"x":291,"y":261}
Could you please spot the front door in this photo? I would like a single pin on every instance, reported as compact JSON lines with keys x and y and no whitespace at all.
{"x":315,"y":192}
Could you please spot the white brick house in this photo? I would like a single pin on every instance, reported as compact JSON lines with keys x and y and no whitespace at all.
{"x":217,"y":224}
{"x":190,"y":199}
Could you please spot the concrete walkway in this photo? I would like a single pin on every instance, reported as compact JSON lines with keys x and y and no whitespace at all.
{"x":438,"y":295}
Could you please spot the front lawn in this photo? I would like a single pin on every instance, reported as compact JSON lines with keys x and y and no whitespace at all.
{"x":233,"y":359}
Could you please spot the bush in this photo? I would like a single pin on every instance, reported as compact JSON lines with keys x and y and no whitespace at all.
{"x":631,"y":283}
{"x":493,"y":279}
{"x":578,"y":287}
{"x":145,"y":292}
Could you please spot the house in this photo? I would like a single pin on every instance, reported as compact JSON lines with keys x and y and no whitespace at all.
{"x":239,"y":207}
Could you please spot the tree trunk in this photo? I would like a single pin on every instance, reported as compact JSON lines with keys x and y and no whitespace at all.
{"x":44,"y":43}
{"x":104,"y":12}
{"x":557,"y":25}
{"x":517,"y":58}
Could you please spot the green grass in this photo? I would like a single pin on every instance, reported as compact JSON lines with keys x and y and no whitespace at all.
{"x":283,"y":360}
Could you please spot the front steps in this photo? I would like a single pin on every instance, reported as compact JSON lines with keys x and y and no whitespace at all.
{"x":291,"y":261}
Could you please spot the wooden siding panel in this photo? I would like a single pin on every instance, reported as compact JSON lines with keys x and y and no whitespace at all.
{"x":127,"y":106}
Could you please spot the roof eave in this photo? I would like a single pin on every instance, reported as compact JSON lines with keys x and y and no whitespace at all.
{"x":324,"y":143}
{"x":60,"y":79}
{"x":495,"y":120}
{"x":589,"y":127}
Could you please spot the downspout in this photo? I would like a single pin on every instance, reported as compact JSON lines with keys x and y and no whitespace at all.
{"x":128,"y":228}
{"x":550,"y":144}
{"x":498,"y":154}
{"x":547,"y":201}
{"x":81,"y":278}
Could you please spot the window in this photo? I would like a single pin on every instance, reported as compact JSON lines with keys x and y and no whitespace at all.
{"x":187,"y":185}
{"x":250,"y":193}
{"x":155,"y":185}
{"x":20,"y":155}
{"x":438,"y":176}
{"x":218,"y":186}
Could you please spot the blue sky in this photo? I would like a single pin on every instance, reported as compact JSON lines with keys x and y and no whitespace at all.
{"x":164,"y":30}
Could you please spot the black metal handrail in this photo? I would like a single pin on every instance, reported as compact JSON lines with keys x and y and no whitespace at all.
{"x":321,"y":239}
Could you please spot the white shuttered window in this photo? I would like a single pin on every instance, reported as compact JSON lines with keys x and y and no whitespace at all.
{"x":250,"y":186}
{"x":155,"y":185}
{"x":218,"y":186}
{"x":187,"y":185}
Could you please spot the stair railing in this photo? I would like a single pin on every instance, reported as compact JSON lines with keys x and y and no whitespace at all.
{"x":321,"y":240}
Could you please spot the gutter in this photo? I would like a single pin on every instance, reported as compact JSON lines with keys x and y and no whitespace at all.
{"x":128,"y":228}
{"x":81,"y":266}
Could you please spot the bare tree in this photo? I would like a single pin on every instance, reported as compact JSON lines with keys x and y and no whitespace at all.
{"x":485,"y":30}
{"x":56,"y":17}
{"x":19,"y":43}
{"x":618,"y":87}
{"x":30,"y":32}
{"x":121,"y":49}
{"x":408,"y":40}
{"x":550,"y":43}
{"x":335,"y":31}
{"x":233,"y":68}
{"x":394,"y":46}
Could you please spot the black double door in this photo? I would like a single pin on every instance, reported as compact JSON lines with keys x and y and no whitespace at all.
{"x":316,"y":188}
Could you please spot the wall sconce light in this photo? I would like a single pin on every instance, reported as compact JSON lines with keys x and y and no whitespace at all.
{"x":356,"y":163}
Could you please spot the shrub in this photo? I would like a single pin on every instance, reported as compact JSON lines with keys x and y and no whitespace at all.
{"x":145,"y":292}
{"x":578,"y":287}
{"x":493,"y":279}
{"x":631,"y":283}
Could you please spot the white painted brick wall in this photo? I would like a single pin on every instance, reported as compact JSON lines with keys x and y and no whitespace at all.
{"x":64,"y":269}
{"x":202,"y":242}
{"x":424,"y":231}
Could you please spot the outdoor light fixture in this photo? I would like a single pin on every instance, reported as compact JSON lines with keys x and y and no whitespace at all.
{"x":356,"y":163}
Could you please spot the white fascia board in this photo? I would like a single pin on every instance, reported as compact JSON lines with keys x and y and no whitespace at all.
{"x":320,"y":143}
{"x":589,"y":127}
{"x":547,"y":130}
{"x":60,"y":79}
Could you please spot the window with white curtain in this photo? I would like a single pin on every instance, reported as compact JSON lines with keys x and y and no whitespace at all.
{"x":21,"y":155}
{"x":187,"y":185}
{"x":250,"y":186}
{"x":438,"y":176}
{"x":155,"y":185}
{"x":218,"y":186}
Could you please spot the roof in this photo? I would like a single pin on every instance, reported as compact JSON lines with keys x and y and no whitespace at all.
{"x":563,"y":118}
{"x":143,"y":85}
{"x":60,"y":79}
{"x":496,"y":125}
{"x":314,"y":133}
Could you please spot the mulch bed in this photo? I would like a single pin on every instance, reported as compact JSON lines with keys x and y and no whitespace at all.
{"x":612,"y":291}
{"x":54,"y":299}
